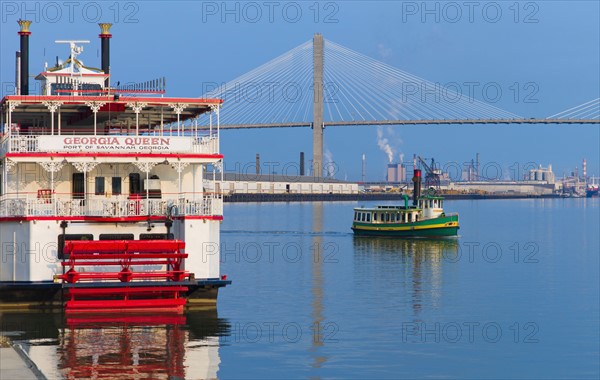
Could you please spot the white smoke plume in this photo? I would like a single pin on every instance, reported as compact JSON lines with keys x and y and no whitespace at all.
{"x":384,"y":145}
{"x":329,"y":164}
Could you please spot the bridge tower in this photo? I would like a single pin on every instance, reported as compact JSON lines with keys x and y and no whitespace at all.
{"x":317,"y":124}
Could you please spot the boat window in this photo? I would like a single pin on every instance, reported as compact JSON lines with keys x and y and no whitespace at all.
{"x":362,"y":217}
{"x":355,"y":215}
{"x":157,"y":236}
{"x":99,"y":188}
{"x":416,"y":217}
{"x":116,"y":185}
{"x":410,"y":217}
{"x":134,"y":183}
{"x":374,"y":216}
{"x":115,"y":237}
{"x":77,"y":187}
{"x":368,"y":217}
{"x":61,"y":242}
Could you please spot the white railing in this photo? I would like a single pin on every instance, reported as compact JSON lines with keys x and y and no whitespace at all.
{"x":187,"y":205}
{"x":30,"y":144}
{"x":205,"y":145}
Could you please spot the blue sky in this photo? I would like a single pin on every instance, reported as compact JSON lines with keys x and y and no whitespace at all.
{"x":553,"y":44}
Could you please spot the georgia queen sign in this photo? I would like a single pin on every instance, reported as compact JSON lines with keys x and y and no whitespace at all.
{"x":115,"y":144}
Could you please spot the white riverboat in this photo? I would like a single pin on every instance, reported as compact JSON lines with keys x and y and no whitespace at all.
{"x":102,"y":198}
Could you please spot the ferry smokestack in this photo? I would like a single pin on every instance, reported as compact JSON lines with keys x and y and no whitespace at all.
{"x":417,"y":186}
{"x":105,"y":37}
{"x":24,"y":77}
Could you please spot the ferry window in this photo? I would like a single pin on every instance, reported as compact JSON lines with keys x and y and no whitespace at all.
{"x":355,"y":215}
{"x":416,"y":218}
{"x":77,"y":188}
{"x":410,"y":217}
{"x":368,"y":217}
{"x":387,"y":217}
{"x":374,"y":216}
{"x":134,"y":183}
{"x":116,"y":185}
{"x":99,"y":186}
{"x":363,"y":217}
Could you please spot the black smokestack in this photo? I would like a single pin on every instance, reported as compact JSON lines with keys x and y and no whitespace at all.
{"x":417,"y":186}
{"x":24,"y":33}
{"x":301,"y":163}
{"x":105,"y":37}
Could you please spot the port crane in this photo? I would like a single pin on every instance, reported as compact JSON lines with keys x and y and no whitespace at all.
{"x":432,"y":175}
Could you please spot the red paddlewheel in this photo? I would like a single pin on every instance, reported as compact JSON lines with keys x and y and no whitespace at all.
{"x":130,"y":256}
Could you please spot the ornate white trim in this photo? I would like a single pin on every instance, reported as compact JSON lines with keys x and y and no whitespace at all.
{"x":12,"y":105}
{"x":52,"y":166}
{"x":95,"y":106}
{"x":179,"y":166}
{"x":136,"y":106}
{"x":178,"y":107}
{"x":52,"y":105}
{"x":9,"y":164}
{"x":145,"y":166}
{"x":85,"y":167}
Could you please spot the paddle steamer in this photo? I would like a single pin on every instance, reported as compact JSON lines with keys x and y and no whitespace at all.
{"x":102,"y":200}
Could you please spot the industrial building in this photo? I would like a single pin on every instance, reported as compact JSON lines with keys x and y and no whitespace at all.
{"x":235,"y":183}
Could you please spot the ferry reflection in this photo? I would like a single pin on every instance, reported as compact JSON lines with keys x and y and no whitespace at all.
{"x":416,"y":262}
{"x":161,"y":346}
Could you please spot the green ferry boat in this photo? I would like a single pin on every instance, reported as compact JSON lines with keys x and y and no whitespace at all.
{"x":425,"y":218}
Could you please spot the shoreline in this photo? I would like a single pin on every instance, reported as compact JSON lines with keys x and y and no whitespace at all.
{"x":287,"y":197}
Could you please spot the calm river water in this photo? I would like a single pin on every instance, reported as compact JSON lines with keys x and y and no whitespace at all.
{"x":515,"y":296}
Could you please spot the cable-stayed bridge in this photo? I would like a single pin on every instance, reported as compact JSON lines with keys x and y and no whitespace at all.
{"x":321,"y":84}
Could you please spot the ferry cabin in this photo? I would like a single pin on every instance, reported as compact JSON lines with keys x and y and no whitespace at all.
{"x":428,"y":207}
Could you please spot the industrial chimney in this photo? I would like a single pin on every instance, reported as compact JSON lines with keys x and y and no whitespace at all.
{"x":24,"y":78}
{"x":105,"y":37}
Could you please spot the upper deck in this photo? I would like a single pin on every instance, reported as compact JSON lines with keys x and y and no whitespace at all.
{"x":67,"y":125}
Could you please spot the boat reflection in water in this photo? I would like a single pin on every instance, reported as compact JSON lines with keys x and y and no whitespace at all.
{"x":415,"y":263}
{"x":169,"y":346}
